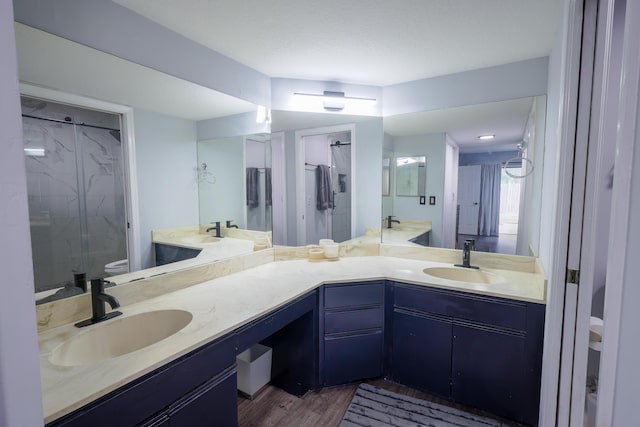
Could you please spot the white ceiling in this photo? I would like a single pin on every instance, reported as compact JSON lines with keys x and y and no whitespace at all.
{"x":506,"y":120}
{"x":376,"y":42}
{"x":373,"y":42}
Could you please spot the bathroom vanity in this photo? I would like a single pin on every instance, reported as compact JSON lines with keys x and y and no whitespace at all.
{"x":328,"y":323}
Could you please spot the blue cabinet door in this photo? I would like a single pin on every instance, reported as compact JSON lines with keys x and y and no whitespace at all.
{"x":492,"y":370}
{"x":212,"y":404}
{"x":161,"y":420}
{"x":421,"y":352}
{"x":353,"y":357}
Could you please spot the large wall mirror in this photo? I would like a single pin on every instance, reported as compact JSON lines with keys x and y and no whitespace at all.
{"x":470,"y":194}
{"x":411,"y":176}
{"x":341,"y":151}
{"x":88,"y":161}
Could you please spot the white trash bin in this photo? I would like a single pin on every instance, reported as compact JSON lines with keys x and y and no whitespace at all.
{"x":254,"y":370}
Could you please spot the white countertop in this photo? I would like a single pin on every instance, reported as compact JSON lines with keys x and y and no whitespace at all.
{"x":226,"y":303}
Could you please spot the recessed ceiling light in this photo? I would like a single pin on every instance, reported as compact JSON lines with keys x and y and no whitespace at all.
{"x":485,"y":137}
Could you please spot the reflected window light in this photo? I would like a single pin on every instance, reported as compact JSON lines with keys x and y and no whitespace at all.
{"x":263,"y":114}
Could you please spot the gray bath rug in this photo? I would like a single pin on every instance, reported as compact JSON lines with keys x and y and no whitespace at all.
{"x":375,"y":407}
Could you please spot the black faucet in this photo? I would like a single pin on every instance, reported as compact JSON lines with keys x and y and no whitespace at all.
{"x":390,"y":220}
{"x":229,"y":225}
{"x":80,"y":281}
{"x":217,"y":228}
{"x":98,"y":299}
{"x":469,"y":245}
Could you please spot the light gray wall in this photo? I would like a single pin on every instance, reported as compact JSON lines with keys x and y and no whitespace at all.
{"x":166,"y":161}
{"x":20,"y":401}
{"x":515,"y":80}
{"x":467,"y":159}
{"x":238,"y":124}
{"x":369,"y":136}
{"x":433,"y":147}
{"x":114,"y":29}
{"x":292,"y":200}
{"x":225,"y":198}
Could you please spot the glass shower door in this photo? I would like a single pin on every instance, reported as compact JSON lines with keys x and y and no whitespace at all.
{"x":75,"y":185}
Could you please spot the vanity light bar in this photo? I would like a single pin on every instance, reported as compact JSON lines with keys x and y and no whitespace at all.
{"x":34,"y":152}
{"x":334,"y":100}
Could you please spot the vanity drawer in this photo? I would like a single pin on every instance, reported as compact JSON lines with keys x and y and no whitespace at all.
{"x":424,"y":299}
{"x":353,"y":320}
{"x":265,"y":326}
{"x":477,"y":308}
{"x":353,"y":295}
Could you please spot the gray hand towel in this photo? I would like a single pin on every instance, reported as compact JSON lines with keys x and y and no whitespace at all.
{"x":252,"y":187}
{"x":267,"y":186}
{"x":324,"y":193}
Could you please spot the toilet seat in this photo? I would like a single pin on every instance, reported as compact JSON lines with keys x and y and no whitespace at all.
{"x":117,"y":267}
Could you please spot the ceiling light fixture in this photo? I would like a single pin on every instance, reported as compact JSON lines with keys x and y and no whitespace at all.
{"x":334,"y":101}
{"x":486,"y":137}
{"x":34,"y":152}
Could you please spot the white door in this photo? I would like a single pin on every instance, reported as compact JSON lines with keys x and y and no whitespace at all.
{"x":469,"y":199}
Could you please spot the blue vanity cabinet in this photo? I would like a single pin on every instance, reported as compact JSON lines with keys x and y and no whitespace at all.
{"x":421,"y":351}
{"x":498,"y":369}
{"x":166,"y":254}
{"x":352,"y":333}
{"x":477,"y":350}
{"x":152,"y":399}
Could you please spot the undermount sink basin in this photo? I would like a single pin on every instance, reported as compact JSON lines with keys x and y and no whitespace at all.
{"x":200,"y":239}
{"x":119,"y":336}
{"x":459,"y":274}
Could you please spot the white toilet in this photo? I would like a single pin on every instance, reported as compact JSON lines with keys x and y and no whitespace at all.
{"x":117,"y":267}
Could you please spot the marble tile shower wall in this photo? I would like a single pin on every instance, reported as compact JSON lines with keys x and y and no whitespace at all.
{"x":341,"y":176}
{"x":76,"y":191}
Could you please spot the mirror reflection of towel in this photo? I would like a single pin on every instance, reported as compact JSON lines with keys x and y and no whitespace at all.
{"x":252,"y":187}
{"x":267,"y":186}
{"x":324,"y":193}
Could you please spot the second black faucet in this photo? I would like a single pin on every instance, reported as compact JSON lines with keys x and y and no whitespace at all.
{"x":98,"y":300}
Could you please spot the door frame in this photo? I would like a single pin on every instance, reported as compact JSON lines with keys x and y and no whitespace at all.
{"x":565,"y":133}
{"x":300,"y":178}
{"x":132,"y":209}
{"x":279,"y":177}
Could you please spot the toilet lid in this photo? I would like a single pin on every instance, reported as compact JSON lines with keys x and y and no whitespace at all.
{"x":118,"y":264}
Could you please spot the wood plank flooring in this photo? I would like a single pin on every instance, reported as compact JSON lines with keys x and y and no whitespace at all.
{"x":323,"y":408}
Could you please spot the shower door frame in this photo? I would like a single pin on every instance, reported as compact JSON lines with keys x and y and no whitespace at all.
{"x":300,"y":175}
{"x":129,"y":164}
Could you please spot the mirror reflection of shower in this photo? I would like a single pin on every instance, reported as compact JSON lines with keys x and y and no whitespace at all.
{"x":340,"y":175}
{"x":75,"y":184}
{"x":328,"y":186}
{"x":258,"y":182}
